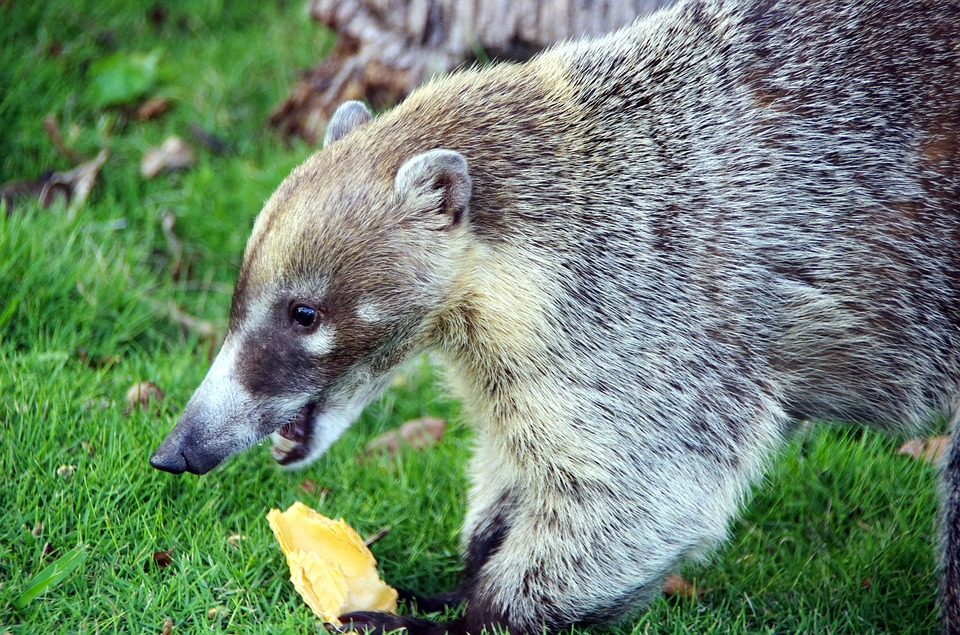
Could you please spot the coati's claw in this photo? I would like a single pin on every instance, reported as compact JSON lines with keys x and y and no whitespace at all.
{"x":380,"y":623}
{"x":432,"y":603}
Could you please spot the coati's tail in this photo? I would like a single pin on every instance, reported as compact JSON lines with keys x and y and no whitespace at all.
{"x":950,"y":581}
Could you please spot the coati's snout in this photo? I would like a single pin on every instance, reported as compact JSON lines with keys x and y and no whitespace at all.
{"x":335,"y":292}
{"x":182,"y":451}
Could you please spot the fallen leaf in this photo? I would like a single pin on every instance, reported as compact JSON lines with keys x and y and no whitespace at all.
{"x":931,"y":450}
{"x":122,"y":77}
{"x":331,"y":568}
{"x":14,"y":191}
{"x":416,"y":434}
{"x":141,"y":394}
{"x":167,"y":627}
{"x":153,"y":108}
{"x":71,"y":187}
{"x":675,"y":586}
{"x":161,"y":559}
{"x":66,"y":471}
{"x":37,"y":529}
{"x":173,"y":154}
{"x":79,"y":181}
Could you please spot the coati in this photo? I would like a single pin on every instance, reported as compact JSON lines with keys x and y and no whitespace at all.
{"x":641,"y":258}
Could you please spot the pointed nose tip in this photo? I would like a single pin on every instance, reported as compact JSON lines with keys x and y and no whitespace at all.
{"x":173,"y":462}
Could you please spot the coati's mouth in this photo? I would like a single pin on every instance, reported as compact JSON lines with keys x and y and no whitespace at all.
{"x":291,"y":441}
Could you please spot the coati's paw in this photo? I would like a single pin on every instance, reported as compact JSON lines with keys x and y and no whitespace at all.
{"x":432,"y":603}
{"x":380,"y":623}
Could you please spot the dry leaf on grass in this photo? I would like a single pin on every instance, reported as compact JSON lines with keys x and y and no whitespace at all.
{"x":160,"y":559}
{"x":80,"y":180}
{"x":173,"y":154}
{"x":330,"y":566}
{"x":72,"y":187}
{"x":66,"y":471}
{"x":675,"y":586}
{"x":167,"y":627}
{"x":416,"y":434}
{"x":152,"y":108}
{"x":931,"y":450}
{"x":16,"y":191}
{"x":141,"y":394}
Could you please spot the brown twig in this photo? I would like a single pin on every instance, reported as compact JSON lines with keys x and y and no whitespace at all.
{"x":167,"y":222}
{"x":377,"y":536}
{"x":187,"y":322}
{"x":52,"y":125}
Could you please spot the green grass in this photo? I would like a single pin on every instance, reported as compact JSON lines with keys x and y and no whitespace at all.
{"x":838,"y":539}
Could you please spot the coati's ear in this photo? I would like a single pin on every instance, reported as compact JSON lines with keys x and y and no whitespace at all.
{"x":346,"y":117}
{"x":435,"y":183}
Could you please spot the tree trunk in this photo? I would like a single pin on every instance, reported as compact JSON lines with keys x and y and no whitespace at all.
{"x":386,"y":48}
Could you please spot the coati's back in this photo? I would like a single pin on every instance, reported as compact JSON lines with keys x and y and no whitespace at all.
{"x":809,"y":153}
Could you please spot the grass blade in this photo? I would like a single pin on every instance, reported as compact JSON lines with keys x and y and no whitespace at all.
{"x":52,"y":575}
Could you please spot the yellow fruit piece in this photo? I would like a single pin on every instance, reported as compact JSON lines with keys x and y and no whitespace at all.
{"x":330,"y":566}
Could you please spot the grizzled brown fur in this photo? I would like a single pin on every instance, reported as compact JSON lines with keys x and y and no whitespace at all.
{"x":642,"y":259}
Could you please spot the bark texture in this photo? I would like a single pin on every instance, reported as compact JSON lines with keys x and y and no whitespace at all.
{"x":386,"y":48}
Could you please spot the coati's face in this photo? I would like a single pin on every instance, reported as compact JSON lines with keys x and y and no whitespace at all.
{"x":346,"y":267}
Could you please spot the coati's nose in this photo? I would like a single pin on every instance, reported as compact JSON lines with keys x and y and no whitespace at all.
{"x":177,"y":461}
{"x":173,"y":462}
{"x":180,"y":452}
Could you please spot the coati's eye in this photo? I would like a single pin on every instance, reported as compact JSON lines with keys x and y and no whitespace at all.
{"x":305,"y":316}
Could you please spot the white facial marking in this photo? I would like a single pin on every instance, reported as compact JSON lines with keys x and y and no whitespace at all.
{"x":369,"y":312}
{"x":320,"y":342}
{"x":220,"y":396}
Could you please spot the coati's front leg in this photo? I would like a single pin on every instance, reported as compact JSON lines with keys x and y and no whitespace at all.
{"x":534,"y":566}
{"x":484,"y":530}
{"x":548,"y":555}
